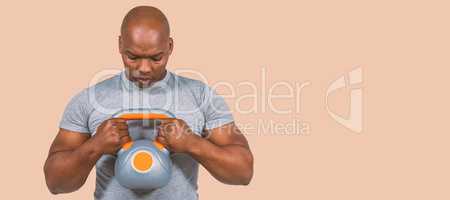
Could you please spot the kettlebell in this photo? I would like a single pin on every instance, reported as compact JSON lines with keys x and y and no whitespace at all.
{"x":143,"y":163}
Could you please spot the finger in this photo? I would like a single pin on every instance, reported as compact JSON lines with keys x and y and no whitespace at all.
{"x":124,"y":140}
{"x":161,"y":132}
{"x":121,"y":127}
{"x":118,"y":124}
{"x":167,"y":127}
{"x":165,"y":131}
{"x":123,"y":133}
{"x":161,"y":140}
{"x":167,"y":121}
{"x":118,"y":120}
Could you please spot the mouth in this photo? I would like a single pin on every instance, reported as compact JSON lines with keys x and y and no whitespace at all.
{"x":143,"y":81}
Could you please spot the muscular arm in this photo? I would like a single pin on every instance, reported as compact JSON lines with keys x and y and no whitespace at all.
{"x":225,"y":154}
{"x":70,"y":160}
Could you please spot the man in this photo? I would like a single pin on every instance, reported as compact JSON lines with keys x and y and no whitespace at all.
{"x":203,"y":133}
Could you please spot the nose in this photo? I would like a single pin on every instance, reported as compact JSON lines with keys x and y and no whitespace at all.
{"x":145,"y":66}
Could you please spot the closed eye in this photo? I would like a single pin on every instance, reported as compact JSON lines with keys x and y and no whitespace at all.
{"x":132,"y":57}
{"x":157,"y":59}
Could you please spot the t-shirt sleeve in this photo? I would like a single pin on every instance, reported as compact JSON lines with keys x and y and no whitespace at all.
{"x":215,"y":110}
{"x":75,"y":116}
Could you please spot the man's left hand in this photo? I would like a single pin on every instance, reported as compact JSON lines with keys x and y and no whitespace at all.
{"x":176,"y":135}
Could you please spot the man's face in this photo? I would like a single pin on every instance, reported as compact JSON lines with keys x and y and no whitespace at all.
{"x":145,"y":53}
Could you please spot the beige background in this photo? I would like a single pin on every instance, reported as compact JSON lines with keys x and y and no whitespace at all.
{"x":50,"y":50}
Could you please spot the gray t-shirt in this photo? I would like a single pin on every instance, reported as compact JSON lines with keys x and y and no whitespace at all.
{"x":191,"y":100}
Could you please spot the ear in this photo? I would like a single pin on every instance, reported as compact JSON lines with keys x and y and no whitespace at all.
{"x":170,"y":45}
{"x":120,"y":44}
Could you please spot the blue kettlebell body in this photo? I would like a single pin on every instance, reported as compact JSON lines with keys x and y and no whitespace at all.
{"x":143,"y":164}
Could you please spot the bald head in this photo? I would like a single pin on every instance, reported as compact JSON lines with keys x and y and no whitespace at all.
{"x":145,"y":17}
{"x":145,"y":45}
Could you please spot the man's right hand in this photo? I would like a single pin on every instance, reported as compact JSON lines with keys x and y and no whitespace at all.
{"x":111,"y":135}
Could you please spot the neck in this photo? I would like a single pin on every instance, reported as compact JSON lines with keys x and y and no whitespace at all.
{"x":127,"y":74}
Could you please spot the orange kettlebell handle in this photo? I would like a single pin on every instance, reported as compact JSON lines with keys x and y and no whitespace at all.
{"x":141,"y":116}
{"x":144,"y":116}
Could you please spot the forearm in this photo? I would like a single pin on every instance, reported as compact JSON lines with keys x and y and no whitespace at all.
{"x":230,"y":164}
{"x":67,"y":171}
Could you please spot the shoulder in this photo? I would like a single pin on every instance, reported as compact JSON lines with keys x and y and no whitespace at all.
{"x":188,"y":82}
{"x":97,"y":90}
{"x":107,"y":85}
{"x":199,"y":88}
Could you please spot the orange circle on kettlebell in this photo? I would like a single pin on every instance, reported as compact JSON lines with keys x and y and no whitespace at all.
{"x":142,"y":161}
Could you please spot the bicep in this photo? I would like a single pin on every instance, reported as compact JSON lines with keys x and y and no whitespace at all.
{"x":67,"y":140}
{"x":228,"y":134}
